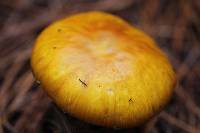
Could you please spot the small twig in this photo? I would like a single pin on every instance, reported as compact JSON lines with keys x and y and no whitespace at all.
{"x":150,"y":125}
{"x":179,"y":123}
{"x":189,"y":103}
{"x":21,"y":87}
{"x":83,"y":82}
{"x":9,"y":78}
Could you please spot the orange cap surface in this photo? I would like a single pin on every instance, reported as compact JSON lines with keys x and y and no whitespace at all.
{"x":102,"y":70}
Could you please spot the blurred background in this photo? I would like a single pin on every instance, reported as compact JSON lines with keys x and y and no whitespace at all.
{"x":25,"y":108}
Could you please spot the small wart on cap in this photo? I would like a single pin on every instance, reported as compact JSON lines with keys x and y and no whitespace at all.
{"x":59,"y":30}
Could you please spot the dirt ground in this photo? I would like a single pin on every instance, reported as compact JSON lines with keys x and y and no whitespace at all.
{"x":25,"y":108}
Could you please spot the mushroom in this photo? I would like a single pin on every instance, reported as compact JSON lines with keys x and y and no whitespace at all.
{"x":102,"y":70}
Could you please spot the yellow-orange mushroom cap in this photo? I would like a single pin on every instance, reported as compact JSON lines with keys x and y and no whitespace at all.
{"x":102,"y":70}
